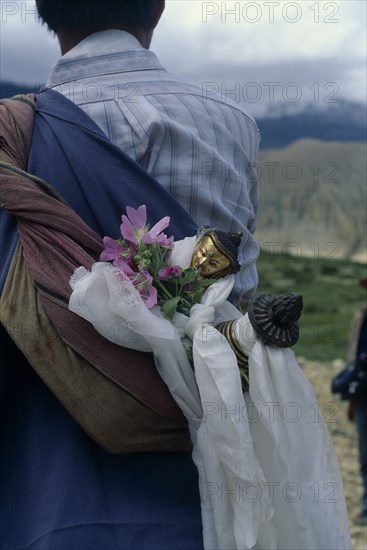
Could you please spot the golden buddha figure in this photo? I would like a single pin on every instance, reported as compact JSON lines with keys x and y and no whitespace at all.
{"x":215,"y":256}
{"x":215,"y":253}
{"x":274,"y":318}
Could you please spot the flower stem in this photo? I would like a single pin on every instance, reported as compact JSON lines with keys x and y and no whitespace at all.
{"x":163,"y":288}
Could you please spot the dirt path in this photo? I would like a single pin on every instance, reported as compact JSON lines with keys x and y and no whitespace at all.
{"x":344,"y":437}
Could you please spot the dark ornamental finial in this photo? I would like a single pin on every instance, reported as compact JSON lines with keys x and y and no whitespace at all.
{"x":275,"y":318}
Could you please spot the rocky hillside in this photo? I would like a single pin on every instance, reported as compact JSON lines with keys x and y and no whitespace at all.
{"x":313,"y":193}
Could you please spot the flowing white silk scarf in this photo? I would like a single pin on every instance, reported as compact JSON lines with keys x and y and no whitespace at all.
{"x":268,"y":473}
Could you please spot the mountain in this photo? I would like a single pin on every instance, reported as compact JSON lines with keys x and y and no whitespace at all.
{"x":313,"y":194}
{"x":9,"y":89}
{"x":341,"y":121}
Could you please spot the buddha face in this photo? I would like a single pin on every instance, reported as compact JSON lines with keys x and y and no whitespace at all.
{"x":208,"y":260}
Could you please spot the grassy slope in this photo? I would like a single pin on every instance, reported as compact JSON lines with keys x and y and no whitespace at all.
{"x":331,"y":294}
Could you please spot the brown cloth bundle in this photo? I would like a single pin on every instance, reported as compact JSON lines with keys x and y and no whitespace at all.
{"x":114,"y":393}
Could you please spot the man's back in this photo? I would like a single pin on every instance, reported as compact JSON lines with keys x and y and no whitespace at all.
{"x":59,"y":489}
{"x":201,"y":149}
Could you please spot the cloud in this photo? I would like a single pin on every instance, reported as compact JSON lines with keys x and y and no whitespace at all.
{"x":266,"y":30}
{"x":27,"y":49}
{"x":323,"y":52}
{"x":259,"y":87}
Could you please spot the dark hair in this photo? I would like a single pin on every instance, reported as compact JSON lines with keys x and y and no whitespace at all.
{"x":229,"y":243}
{"x":71,"y":14}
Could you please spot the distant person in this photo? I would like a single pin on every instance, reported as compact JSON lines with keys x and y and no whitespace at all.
{"x":357,"y":408}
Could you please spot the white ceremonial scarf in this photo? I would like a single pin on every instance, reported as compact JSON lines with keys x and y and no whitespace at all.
{"x":268,"y":473}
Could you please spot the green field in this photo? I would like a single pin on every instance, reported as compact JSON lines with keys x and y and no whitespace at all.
{"x":331,"y":294}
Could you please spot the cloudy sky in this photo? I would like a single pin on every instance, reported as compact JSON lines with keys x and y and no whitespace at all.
{"x":259,"y":53}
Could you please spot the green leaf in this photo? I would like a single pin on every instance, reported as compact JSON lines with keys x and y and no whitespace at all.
{"x":187,"y":276}
{"x":169,"y":307}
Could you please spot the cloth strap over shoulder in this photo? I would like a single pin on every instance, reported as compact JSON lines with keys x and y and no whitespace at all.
{"x":134,"y":410}
{"x":95,"y":177}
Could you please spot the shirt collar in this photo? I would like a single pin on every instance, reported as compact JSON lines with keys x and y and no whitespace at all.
{"x":101,"y":53}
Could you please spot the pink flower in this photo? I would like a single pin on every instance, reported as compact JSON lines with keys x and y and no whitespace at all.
{"x":147,"y":291}
{"x":125,"y":267}
{"x":135,"y":230}
{"x":142,"y":281}
{"x":112,"y":250}
{"x":168,"y":272}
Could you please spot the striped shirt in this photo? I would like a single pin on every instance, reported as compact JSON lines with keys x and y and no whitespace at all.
{"x":200,"y":147}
